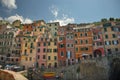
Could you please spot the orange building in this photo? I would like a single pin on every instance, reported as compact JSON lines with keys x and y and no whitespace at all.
{"x":27,"y":27}
{"x":83,"y":41}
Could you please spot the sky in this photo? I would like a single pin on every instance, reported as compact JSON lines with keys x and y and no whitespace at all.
{"x":63,"y":11}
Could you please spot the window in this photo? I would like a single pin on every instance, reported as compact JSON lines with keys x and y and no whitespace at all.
{"x":76,"y":49}
{"x":60,"y":38}
{"x":30,"y":58}
{"x":75,"y":41}
{"x":48,"y":57}
{"x":50,"y":39}
{"x":107,"y":43}
{"x":85,"y":34}
{"x":55,"y":28}
{"x":50,"y":50}
{"x":81,"y":41}
{"x":86,"y":41}
{"x":105,"y":29}
{"x":54,"y":50}
{"x":23,"y":38}
{"x":55,"y":57}
{"x":71,"y":45}
{"x":81,"y":34}
{"x":115,"y":42}
{"x":40,"y":30}
{"x":98,"y":36}
{"x":75,"y":35}
{"x":45,"y":39}
{"x":55,"y":34}
{"x":25,"y":44}
{"x":16,"y":59}
{"x":116,"y":49}
{"x":112,"y":29}
{"x":25,"y":52}
{"x":61,"y":45}
{"x":62,"y":53}
{"x":34,"y":40}
{"x":41,"y":39}
{"x":31,"y":45}
{"x":38,"y":44}
{"x":55,"y":43}
{"x":44,"y":44}
{"x":67,"y":37}
{"x":48,"y":43}
{"x":38,"y":50}
{"x":31,"y":51}
{"x":68,"y":45}
{"x":44,"y":50}
{"x":44,"y":56}
{"x":35,"y":29}
{"x":86,"y":48}
{"x":106,"y":36}
{"x":82,"y":49}
{"x":71,"y":37}
{"x":55,"y":24}
{"x":113,"y":35}
{"x":110,"y":42}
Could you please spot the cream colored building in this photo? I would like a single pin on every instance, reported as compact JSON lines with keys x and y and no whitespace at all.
{"x":111,"y":41}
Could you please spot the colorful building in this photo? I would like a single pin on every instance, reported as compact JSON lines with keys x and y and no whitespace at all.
{"x":110,"y":38}
{"x":70,"y":52}
{"x":83,"y":41}
{"x":53,"y":28}
{"x":28,"y":51}
{"x":52,"y":59}
{"x":61,"y":46}
{"x":41,"y":51}
{"x":7,"y":41}
{"x":98,"y":43}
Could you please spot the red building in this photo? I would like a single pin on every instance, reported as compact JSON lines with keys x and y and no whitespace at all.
{"x":61,"y":45}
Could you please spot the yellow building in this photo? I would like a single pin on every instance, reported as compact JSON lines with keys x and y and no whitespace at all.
{"x":28,"y":51}
{"x":52,"y":53}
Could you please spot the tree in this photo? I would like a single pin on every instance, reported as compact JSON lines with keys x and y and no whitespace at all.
{"x":117,"y":19}
{"x":104,"y":20}
{"x":111,"y":19}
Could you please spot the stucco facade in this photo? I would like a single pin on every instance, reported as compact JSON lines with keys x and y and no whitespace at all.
{"x":83,"y":41}
{"x":28,"y":51}
{"x":61,"y":46}
{"x":70,"y":50}
{"x":98,"y":43}
{"x":111,"y":40}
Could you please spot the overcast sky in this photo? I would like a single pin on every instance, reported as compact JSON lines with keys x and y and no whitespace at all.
{"x":64,"y":11}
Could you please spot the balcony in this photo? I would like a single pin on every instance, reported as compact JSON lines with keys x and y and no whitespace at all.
{"x":96,"y":47}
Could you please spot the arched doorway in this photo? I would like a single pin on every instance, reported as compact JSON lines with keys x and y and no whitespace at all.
{"x":97,"y":53}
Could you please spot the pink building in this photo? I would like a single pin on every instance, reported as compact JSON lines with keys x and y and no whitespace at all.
{"x":41,"y":51}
